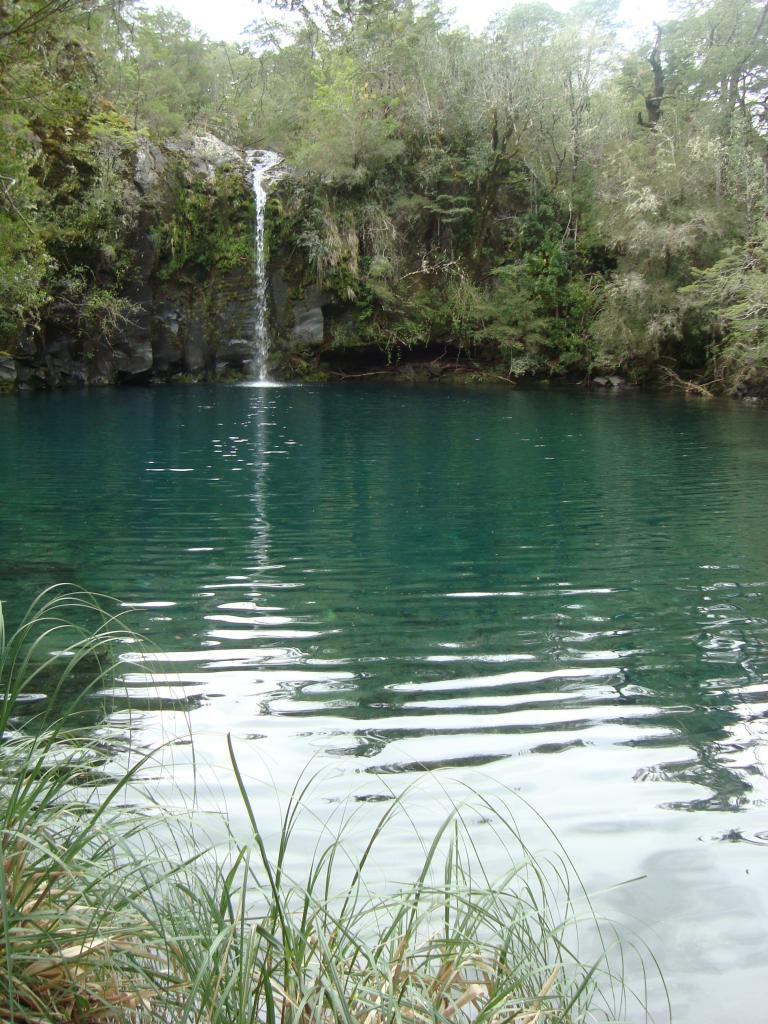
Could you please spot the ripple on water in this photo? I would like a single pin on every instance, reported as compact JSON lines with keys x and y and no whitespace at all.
{"x":566,"y":595}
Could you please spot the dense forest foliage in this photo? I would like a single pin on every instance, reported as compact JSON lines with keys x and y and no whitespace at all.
{"x":543,"y":197}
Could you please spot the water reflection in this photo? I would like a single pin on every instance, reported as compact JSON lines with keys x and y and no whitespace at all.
{"x":569,"y":593}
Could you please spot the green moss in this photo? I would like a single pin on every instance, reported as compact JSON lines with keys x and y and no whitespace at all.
{"x":206,"y":225}
{"x":111,"y":126}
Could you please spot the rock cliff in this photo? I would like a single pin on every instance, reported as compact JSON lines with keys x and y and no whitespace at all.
{"x":186,"y":304}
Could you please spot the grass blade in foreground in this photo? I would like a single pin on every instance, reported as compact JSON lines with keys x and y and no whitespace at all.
{"x":100,"y":922}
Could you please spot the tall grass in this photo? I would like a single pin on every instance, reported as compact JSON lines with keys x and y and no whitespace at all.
{"x":110,"y":913}
{"x":73,"y":944}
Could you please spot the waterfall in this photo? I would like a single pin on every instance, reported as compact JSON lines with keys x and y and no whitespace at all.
{"x":261,"y":162}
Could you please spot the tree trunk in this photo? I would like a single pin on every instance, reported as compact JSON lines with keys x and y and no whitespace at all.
{"x":653,"y":99}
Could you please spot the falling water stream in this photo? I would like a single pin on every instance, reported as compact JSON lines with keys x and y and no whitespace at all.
{"x":262,"y":161}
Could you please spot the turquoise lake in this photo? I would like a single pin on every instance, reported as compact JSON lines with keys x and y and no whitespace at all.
{"x":561,"y":595}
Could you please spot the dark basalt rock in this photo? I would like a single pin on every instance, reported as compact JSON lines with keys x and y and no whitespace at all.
{"x":167,"y":346}
{"x":8,"y":372}
{"x":181,"y":320}
{"x":133,"y":359}
{"x":30,"y":377}
{"x":65,"y":364}
{"x":195,"y":348}
{"x":236,"y":350}
{"x":309,"y":328}
{"x":299,"y":320}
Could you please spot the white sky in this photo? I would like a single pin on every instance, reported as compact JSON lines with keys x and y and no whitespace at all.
{"x":226,"y":19}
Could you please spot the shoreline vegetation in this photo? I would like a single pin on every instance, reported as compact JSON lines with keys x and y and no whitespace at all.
{"x":115,"y":909}
{"x":547,"y":199}
{"x":470,"y":373}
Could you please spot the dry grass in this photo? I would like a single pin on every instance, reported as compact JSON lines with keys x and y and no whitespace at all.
{"x":64,"y":959}
{"x":110,"y":914}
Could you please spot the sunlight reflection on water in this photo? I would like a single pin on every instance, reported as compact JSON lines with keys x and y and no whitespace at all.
{"x":345,"y":578}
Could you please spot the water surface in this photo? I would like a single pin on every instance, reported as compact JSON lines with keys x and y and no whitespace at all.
{"x":565,"y":595}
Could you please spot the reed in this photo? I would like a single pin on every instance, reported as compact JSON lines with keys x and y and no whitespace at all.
{"x":112,"y":913}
